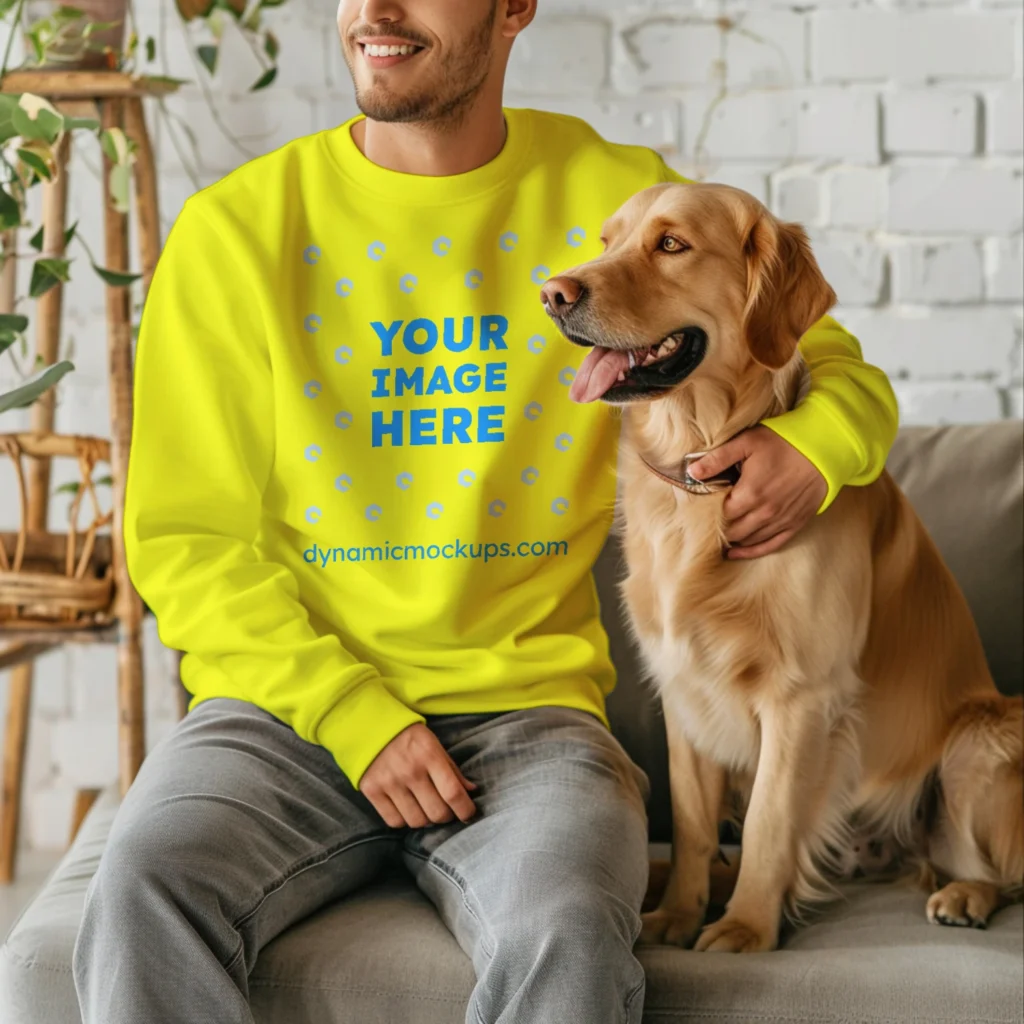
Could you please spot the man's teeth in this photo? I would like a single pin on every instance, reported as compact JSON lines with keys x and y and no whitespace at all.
{"x":373,"y":50}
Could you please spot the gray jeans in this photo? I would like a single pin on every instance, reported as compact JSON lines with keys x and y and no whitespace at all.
{"x":235,"y":828}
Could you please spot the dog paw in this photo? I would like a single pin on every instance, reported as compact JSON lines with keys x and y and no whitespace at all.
{"x":959,"y":905}
{"x":666,"y":928}
{"x":731,"y":935}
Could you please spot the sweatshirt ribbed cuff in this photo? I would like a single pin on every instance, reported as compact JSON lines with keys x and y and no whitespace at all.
{"x":361,"y":725}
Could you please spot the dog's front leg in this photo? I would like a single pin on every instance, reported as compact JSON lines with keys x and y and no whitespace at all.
{"x":697,"y":786}
{"x":790,"y":767}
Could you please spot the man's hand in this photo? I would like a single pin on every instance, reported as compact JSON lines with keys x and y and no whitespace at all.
{"x":414,"y":782}
{"x":778,"y":493}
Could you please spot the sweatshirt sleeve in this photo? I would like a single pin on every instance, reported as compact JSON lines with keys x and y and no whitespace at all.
{"x":201,"y":456}
{"x":847,"y":421}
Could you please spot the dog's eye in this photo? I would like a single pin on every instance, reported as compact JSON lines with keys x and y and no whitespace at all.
{"x":671,"y":244}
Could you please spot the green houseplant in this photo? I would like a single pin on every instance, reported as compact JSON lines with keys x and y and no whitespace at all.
{"x":91,"y":34}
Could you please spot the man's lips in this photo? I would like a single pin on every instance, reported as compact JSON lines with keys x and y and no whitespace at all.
{"x":387,"y":51}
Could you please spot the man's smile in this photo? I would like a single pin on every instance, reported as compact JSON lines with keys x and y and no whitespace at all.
{"x":386,"y":51}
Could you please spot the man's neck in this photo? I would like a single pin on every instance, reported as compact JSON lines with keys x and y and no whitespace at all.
{"x":435,"y":149}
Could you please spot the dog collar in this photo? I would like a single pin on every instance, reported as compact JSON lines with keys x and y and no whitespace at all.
{"x":726,"y":479}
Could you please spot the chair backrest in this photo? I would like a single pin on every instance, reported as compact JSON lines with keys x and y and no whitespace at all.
{"x":967,"y":485}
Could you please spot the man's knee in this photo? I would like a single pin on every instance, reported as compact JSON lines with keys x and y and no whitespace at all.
{"x":158,"y":866}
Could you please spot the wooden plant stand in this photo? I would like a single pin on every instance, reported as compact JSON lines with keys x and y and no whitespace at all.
{"x":116,"y":100}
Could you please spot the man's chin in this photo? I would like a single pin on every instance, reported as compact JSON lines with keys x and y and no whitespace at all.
{"x":381,"y":105}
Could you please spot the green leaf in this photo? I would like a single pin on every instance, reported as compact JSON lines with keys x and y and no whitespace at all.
{"x":37,"y":384}
{"x":47,"y":273}
{"x":36,"y":241}
{"x":150,"y":49}
{"x":116,"y":278}
{"x":265,"y":79}
{"x":36,"y":162}
{"x":10,"y":211}
{"x":84,"y":124}
{"x":104,"y":481}
{"x":45,"y":126}
{"x":71,"y":487}
{"x":12,"y":323}
{"x":120,"y":184}
{"x":6,"y":341}
{"x":271,"y":47}
{"x":208,"y":55}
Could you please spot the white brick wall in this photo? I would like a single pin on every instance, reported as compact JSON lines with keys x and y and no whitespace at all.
{"x":892,"y":128}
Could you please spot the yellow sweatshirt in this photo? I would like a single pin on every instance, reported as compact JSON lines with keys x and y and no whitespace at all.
{"x":358,"y":493}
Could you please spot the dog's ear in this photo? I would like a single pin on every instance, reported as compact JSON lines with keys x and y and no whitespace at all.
{"x":786,"y":291}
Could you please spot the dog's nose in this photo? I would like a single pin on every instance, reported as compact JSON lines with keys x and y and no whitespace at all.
{"x":560,"y":294}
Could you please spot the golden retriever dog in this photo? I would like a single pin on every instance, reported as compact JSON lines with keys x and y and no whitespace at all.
{"x":834,"y":685}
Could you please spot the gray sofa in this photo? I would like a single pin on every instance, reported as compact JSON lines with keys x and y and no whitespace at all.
{"x":383,"y":956}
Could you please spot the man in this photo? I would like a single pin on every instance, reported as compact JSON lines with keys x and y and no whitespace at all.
{"x":362,"y":504}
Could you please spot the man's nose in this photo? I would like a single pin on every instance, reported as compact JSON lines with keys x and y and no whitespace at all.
{"x":560,"y":294}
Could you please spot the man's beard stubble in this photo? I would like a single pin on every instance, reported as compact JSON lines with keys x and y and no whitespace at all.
{"x":461,"y":76}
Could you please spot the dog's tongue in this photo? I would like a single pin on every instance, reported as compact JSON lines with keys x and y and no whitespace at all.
{"x":597,"y":373}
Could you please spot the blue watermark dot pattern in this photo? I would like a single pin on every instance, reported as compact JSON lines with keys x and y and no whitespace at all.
{"x":376,"y":250}
{"x":313,"y":452}
{"x":343,"y":420}
{"x":560,"y":506}
{"x":474,"y":278}
{"x":566,"y":375}
{"x":312,"y":323}
{"x":374,"y":512}
{"x":312,"y":388}
{"x":343,"y":483}
{"x":496,"y":508}
{"x":536,"y":343}
{"x":311,"y":254}
{"x":434,"y":510}
{"x":540,"y":274}
{"x":575,"y":237}
{"x":530,"y":476}
{"x":533,"y":411}
{"x":508,"y":241}
{"x":467,"y":478}
{"x":343,"y":354}
{"x":313,"y":514}
{"x":442,"y":246}
{"x":344,"y":287}
{"x":407,"y":283}
{"x":403,"y":481}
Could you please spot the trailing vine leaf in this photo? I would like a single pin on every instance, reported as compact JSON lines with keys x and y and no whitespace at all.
{"x":120,"y":183}
{"x":36,"y":241}
{"x":37,"y":155}
{"x":8,"y":104}
{"x":12,"y":323}
{"x":150,"y":49}
{"x":116,"y":145}
{"x":265,"y":79}
{"x":47,"y":273}
{"x":25,"y":394}
{"x":35,"y":118}
{"x":71,"y":487}
{"x":271,"y":47}
{"x":116,"y":278}
{"x":208,"y":55}
{"x":10,"y":211}
{"x":86,"y":124}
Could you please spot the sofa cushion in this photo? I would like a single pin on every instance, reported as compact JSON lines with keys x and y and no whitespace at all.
{"x":383,"y":956}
